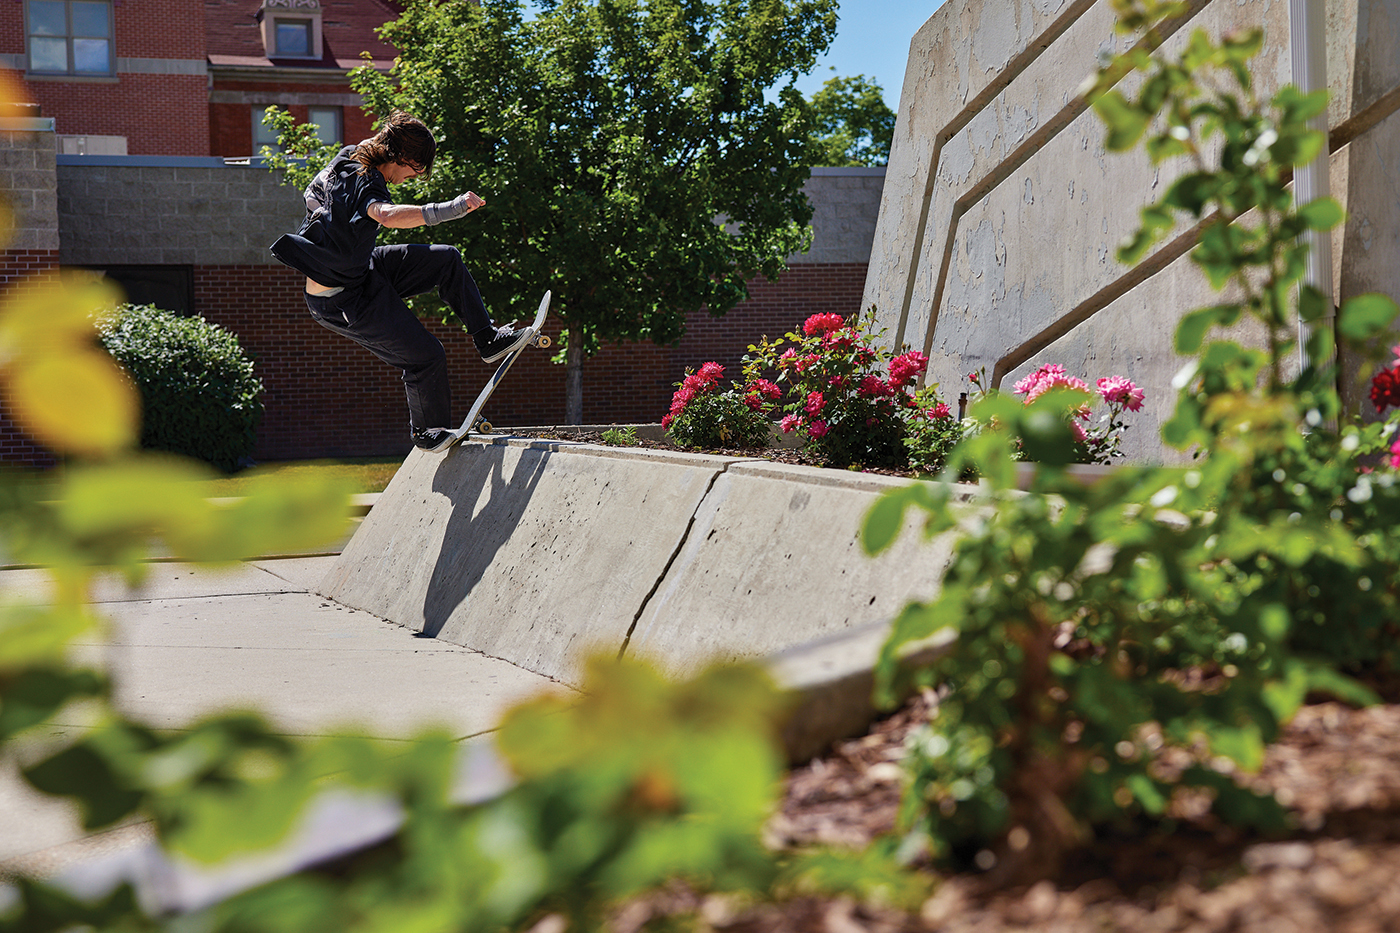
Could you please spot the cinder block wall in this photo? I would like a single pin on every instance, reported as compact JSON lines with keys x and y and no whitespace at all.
{"x":1002,"y":212}
{"x":327,"y":397}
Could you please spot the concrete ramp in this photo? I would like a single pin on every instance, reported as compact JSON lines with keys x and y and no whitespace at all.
{"x":774,"y":561}
{"x":537,"y":552}
{"x":527,"y":551}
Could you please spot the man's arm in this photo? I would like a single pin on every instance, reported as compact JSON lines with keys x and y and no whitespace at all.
{"x":398,"y":216}
{"x":407,"y":216}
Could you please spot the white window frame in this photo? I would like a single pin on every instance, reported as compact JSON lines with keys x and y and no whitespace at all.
{"x":69,"y":37}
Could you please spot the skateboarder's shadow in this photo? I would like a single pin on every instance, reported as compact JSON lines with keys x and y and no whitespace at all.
{"x":486,"y":511}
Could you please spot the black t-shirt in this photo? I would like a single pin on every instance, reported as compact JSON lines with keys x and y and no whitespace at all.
{"x":334,"y":243}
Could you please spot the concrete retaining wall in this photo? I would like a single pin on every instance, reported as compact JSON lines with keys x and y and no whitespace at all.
{"x":537,"y":552}
{"x":1002,"y":211}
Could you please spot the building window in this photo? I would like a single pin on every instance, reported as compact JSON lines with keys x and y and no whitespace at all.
{"x":263,"y":135}
{"x":327,"y":120}
{"x":291,"y":28}
{"x":294,"y":38}
{"x":69,"y":36}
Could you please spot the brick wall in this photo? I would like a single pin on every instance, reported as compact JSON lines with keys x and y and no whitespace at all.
{"x":324,"y":396}
{"x":232,"y":104}
{"x":22,"y":270}
{"x":157,"y":98}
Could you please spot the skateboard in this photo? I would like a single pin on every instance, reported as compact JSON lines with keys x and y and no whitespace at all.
{"x":474,"y":422}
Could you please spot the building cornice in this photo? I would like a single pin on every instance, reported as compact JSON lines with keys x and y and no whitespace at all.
{"x":275,"y":74}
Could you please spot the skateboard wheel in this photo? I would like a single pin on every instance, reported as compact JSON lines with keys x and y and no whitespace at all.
{"x":484,"y":427}
{"x":543,"y":341}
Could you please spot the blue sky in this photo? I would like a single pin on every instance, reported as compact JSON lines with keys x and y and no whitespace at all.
{"x":872,"y":38}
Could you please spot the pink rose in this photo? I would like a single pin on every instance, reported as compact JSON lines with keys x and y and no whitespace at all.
{"x":767,"y":389}
{"x":790,"y":423}
{"x":1119,"y":390}
{"x":1395,"y":455}
{"x":818,"y":428}
{"x":940,"y":411}
{"x":873,"y":387}
{"x":815,"y":403}
{"x":710,"y":373}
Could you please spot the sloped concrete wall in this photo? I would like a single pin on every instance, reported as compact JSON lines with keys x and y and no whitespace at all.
{"x":1002,"y":211}
{"x":538,"y":552}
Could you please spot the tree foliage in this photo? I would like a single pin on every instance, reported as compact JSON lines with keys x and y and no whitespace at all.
{"x":852,"y":124}
{"x":608,"y":137}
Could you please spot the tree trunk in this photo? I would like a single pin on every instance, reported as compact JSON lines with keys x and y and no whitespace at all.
{"x":573,"y":383}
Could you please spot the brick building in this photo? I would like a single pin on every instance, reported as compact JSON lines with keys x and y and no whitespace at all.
{"x":141,"y":171}
{"x":190,"y":77}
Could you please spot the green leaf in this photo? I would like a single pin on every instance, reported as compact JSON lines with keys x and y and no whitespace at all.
{"x":1322,"y":214}
{"x":1365,"y":316}
{"x":1147,"y":794}
{"x":1312,"y":304}
{"x":1126,"y":122}
{"x":884,"y":521}
{"x":1192,"y":192}
{"x":1244,"y":745}
{"x":1192,"y":330}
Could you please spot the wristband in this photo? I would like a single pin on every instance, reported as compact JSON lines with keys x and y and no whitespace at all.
{"x":446,"y":210}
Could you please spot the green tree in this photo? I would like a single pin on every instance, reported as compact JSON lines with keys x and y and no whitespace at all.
{"x":629,"y":157}
{"x":853,"y":124}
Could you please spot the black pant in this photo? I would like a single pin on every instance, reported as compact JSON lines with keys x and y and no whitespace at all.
{"x":375,"y":316}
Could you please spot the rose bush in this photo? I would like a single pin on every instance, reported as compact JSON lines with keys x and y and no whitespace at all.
{"x":850,"y":402}
{"x":703,"y":415}
{"x":1098,"y":444}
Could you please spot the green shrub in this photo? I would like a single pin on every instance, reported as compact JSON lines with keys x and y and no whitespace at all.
{"x":933,"y":432}
{"x":199,"y":396}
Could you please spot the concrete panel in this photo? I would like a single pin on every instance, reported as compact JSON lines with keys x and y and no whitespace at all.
{"x":152,"y":214}
{"x":773,"y":561}
{"x":1001,"y":211}
{"x":528,"y":551}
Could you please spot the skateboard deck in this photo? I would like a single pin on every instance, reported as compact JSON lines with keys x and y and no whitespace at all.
{"x":473,"y":422}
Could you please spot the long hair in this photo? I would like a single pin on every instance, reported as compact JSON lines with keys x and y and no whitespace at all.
{"x":402,"y":138}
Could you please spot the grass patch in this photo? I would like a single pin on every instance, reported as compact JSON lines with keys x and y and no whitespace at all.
{"x":364,"y":474}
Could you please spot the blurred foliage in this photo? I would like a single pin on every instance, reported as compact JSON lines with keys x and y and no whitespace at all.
{"x":1126,"y":649}
{"x":633,"y":784}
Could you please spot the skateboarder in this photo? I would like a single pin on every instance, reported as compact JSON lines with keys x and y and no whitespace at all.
{"x":358,"y":289}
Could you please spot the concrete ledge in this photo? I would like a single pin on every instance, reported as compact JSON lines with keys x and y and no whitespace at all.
{"x":535,"y":552}
{"x":538,"y":552}
{"x":774,"y":561}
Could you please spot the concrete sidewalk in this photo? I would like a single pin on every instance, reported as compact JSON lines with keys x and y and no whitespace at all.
{"x":193,"y":641}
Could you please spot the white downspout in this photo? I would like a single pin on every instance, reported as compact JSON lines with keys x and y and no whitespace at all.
{"x":1308,"y":45}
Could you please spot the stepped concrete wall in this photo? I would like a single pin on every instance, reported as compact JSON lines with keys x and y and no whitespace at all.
{"x":1002,"y":211}
{"x":538,"y":552}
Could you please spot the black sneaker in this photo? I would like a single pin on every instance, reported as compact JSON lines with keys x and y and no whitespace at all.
{"x":504,"y":340}
{"x":434,"y":440}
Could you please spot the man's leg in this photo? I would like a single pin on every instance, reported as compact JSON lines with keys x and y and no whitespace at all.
{"x":418,"y":268}
{"x":377,"y":319}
